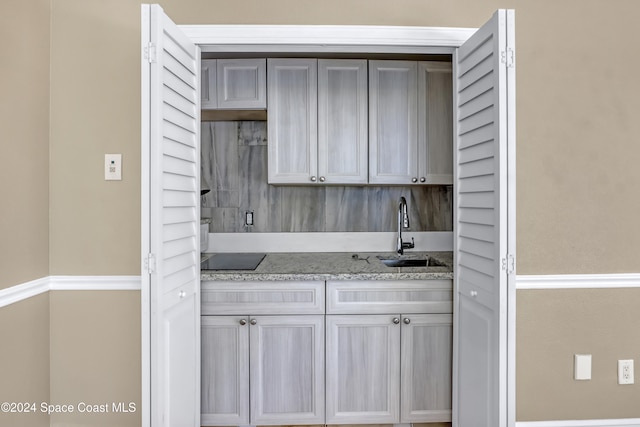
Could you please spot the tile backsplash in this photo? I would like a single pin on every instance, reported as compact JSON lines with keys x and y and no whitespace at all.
{"x":234,"y":168}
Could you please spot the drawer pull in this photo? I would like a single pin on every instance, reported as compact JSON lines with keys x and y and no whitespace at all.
{"x":474,"y":294}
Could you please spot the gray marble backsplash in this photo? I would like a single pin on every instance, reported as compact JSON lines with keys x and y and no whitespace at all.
{"x":234,"y":168}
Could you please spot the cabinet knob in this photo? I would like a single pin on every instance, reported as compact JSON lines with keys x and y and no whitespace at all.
{"x":322,"y":179}
{"x":313,"y":179}
{"x":474,"y":294}
{"x":423,"y":179}
{"x":396,"y":320}
{"x":414,"y":180}
{"x":254,"y":321}
{"x":243,"y":322}
{"x":182,"y":294}
{"x":406,"y":320}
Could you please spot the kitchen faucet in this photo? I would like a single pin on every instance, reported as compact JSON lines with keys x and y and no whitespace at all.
{"x":403,"y":222}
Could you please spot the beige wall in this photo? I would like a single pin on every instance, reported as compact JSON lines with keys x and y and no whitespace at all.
{"x":577,"y":199}
{"x":24,"y":359}
{"x":95,"y":355}
{"x":555,"y":325}
{"x":577,"y":137}
{"x":24,"y":150}
{"x":24,"y":195}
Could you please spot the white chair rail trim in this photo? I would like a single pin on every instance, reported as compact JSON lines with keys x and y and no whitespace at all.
{"x":68,"y":283}
{"x":578,"y":281}
{"x":622,"y":422}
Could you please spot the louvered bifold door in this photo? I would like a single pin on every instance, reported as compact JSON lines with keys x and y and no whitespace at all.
{"x":171,"y":254}
{"x":484,"y":225}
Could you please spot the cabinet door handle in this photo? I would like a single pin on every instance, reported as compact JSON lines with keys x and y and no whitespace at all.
{"x":423,"y":179}
{"x":396,"y":320}
{"x":322,"y":179}
{"x":414,"y":180}
{"x":243,"y":322}
{"x":474,"y":294}
{"x":254,"y":321}
{"x":182,"y":294}
{"x":406,"y":320}
{"x":313,"y":179}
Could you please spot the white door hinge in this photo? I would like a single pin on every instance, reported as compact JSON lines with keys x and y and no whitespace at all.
{"x":150,"y":263}
{"x":509,"y":264}
{"x":508,"y":57}
{"x":150,"y":53}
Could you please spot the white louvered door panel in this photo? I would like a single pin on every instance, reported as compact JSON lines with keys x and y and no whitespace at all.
{"x":485,"y":223}
{"x":171,"y":89}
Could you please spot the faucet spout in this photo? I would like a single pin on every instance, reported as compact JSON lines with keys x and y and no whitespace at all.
{"x":403,"y":222}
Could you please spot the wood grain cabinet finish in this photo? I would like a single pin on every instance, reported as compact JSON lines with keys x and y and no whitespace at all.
{"x":208,"y":85}
{"x":363,"y":369}
{"x":411,"y":122}
{"x":392,"y":367}
{"x":393,"y":122}
{"x":242,"y":83}
{"x":292,"y":104}
{"x":263,"y":360}
{"x":224,"y":388}
{"x":262,"y":370}
{"x":317,"y":121}
{"x":233,"y":84}
{"x":342,"y":121}
{"x":435,"y":123}
{"x":425,"y":374}
{"x":287,"y":370}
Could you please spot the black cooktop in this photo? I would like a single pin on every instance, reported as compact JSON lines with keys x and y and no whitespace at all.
{"x":245,"y":261}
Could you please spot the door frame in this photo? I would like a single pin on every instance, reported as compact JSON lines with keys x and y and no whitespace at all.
{"x":324,"y":39}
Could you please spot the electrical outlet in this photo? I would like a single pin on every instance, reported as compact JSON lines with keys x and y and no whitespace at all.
{"x":625,"y":371}
{"x":248,"y":218}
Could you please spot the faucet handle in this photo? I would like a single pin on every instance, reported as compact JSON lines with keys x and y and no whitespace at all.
{"x":407,"y":245}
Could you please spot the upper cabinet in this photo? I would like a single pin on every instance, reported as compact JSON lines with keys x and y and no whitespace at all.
{"x":411,"y":122}
{"x":317,"y":121}
{"x":292,"y":121}
{"x":342,"y":121}
{"x":393,"y":118}
{"x":234,"y":84}
{"x":435,"y":123}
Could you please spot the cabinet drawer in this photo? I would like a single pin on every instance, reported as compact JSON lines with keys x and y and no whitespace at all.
{"x":404,"y":296}
{"x":252,"y":297}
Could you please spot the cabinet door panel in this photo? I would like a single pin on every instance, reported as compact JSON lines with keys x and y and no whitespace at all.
{"x":363,"y":369}
{"x":393,"y":112}
{"x":292,"y":117}
{"x":426,"y":368}
{"x":208,"y":88}
{"x":242,"y":83}
{"x":435,"y":124}
{"x":287,"y":370}
{"x":342,"y":121}
{"x":225,"y":370}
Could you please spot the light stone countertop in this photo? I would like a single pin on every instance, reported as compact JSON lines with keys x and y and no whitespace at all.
{"x":335,"y":266}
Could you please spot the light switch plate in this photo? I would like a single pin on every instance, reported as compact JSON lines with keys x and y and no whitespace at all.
{"x":582,"y":367}
{"x":113,"y":167}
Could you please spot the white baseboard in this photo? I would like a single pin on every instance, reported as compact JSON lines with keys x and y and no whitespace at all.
{"x":578,"y":281}
{"x":622,"y":422}
{"x":68,"y":283}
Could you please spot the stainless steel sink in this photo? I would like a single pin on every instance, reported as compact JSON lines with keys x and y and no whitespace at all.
{"x":410,"y":262}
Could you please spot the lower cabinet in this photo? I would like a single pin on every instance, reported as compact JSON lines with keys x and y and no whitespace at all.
{"x":265,"y":370}
{"x":387,"y":345}
{"x":388,"y":368}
